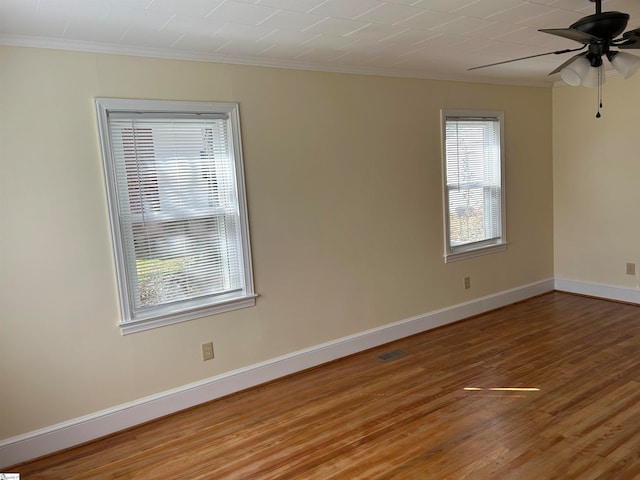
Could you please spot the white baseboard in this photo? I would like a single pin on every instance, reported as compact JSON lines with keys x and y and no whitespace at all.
{"x":79,"y":430}
{"x":622,"y":294}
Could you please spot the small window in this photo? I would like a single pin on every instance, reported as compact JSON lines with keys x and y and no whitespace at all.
{"x":176,"y":197}
{"x":473,"y":183}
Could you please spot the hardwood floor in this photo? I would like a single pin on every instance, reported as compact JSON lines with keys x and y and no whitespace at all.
{"x":548,"y":388}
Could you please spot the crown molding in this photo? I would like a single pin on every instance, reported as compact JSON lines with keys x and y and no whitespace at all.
{"x":56,"y":43}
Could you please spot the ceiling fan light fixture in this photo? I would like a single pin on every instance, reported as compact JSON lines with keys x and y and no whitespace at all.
{"x":625,"y":63}
{"x":576,"y":71}
{"x":594,"y":77}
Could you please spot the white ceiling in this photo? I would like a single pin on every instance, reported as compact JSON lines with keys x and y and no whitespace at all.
{"x":419,"y":38}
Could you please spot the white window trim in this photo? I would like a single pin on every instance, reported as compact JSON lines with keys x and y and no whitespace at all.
{"x":488,"y":246}
{"x":167,"y":316}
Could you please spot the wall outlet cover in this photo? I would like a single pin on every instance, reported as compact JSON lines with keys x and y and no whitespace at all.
{"x":207,"y":351}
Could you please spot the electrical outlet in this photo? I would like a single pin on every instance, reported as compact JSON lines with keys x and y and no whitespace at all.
{"x":207,"y":351}
{"x":631,"y":268}
{"x":467,"y":283}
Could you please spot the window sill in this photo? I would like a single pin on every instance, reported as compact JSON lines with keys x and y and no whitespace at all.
{"x":475,"y":252}
{"x":135,"y":326}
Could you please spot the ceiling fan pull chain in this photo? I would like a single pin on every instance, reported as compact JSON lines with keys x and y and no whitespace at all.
{"x":599,"y":91}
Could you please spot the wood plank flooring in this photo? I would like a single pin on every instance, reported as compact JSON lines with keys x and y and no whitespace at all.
{"x":548,"y":388}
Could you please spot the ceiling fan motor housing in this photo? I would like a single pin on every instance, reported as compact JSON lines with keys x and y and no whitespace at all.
{"x":605,"y":25}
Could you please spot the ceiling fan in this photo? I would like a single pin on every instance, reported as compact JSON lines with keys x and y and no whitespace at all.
{"x":598,"y":34}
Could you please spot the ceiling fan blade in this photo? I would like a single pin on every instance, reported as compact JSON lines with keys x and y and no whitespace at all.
{"x":572,"y":34}
{"x":631,"y":39}
{"x":568,"y":62}
{"x":557,"y":52}
{"x":628,"y":45}
{"x":631,"y":34}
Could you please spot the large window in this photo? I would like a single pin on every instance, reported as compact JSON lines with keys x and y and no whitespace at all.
{"x":473,"y":183}
{"x":176,"y":195}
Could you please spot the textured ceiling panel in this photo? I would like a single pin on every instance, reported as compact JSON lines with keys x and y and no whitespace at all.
{"x":424,"y":38}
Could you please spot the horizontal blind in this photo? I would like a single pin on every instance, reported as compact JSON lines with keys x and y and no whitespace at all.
{"x":473,"y":179}
{"x":175,"y":182}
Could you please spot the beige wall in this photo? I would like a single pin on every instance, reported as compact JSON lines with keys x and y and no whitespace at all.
{"x":345,"y":204}
{"x":596,"y":183}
